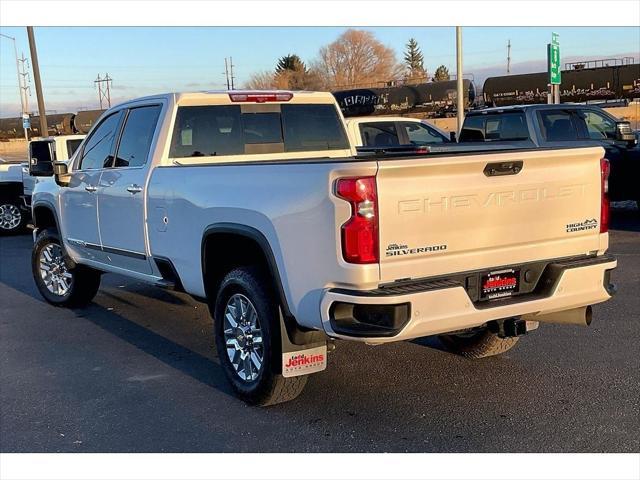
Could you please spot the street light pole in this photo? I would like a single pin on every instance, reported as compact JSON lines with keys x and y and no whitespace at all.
{"x":44,"y":130}
{"x":20,"y":90}
{"x":460,"y":88}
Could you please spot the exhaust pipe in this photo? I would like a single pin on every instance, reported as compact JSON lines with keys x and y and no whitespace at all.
{"x":576,"y":316}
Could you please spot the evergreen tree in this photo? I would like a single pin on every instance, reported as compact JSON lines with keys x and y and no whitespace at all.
{"x":291,"y":62}
{"x":441,"y":75}
{"x":413,"y":58}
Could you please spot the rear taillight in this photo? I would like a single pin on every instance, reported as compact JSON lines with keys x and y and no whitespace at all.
{"x":260,"y":97}
{"x":360,"y":232}
{"x":604,"y":191}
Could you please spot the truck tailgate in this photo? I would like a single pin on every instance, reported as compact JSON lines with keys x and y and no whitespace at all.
{"x":449,"y":214}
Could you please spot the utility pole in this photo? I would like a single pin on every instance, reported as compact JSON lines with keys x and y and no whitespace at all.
{"x":509,"y":56}
{"x":459,"y":95}
{"x":25,"y":91}
{"x":104,"y":93}
{"x":226,"y":73}
{"x":22,"y":106}
{"x":44,"y":129}
{"x":231,"y":69}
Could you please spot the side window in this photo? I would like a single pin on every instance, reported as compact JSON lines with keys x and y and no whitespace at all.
{"x":420,"y":134}
{"x":557,"y":126}
{"x":379,"y":134}
{"x":599,"y":127}
{"x":473,"y":129}
{"x":136,"y":136}
{"x":72,"y":146}
{"x":97,"y":151}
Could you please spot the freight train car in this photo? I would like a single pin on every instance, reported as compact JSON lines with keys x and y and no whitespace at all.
{"x":621,"y":82}
{"x":58,"y":124}
{"x":435,"y":99}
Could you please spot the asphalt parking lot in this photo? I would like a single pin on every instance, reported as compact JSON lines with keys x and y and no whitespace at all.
{"x":137,"y":372}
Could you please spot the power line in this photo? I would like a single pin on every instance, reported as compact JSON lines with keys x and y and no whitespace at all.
{"x":104,"y":90}
{"x":25,"y":88}
{"x":509,"y":56}
{"x":226,"y":73}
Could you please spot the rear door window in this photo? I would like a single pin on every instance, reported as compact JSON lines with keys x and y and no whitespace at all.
{"x":135,"y":142}
{"x":504,"y":126}
{"x":234,"y":130}
{"x":379,"y":134}
{"x":557,"y":126}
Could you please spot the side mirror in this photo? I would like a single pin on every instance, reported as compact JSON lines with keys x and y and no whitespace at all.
{"x":452,"y":136}
{"x":624,"y":132}
{"x":61,"y":172}
{"x":41,"y":158}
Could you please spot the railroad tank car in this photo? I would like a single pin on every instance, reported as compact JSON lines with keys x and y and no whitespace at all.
{"x":59,"y":124}
{"x":620,"y":82}
{"x":84,"y":120}
{"x":435,"y":99}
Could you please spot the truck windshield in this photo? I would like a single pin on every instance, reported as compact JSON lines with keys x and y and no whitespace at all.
{"x":494,"y":127}
{"x":234,"y":130}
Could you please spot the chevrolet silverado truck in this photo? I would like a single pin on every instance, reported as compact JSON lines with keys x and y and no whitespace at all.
{"x":256,"y":203}
{"x":560,"y":126}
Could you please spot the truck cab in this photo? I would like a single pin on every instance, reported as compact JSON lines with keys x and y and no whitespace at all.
{"x":563,"y":125}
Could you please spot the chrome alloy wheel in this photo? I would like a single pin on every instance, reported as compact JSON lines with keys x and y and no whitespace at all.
{"x":10,"y":216}
{"x":243,"y":337}
{"x":53,"y":270}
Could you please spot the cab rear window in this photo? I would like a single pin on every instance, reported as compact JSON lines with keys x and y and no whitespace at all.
{"x":237,"y":130}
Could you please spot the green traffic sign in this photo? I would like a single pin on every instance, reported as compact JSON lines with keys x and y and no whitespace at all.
{"x":553,"y":59}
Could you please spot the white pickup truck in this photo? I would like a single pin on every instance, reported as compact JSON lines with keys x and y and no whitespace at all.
{"x":16,"y":185}
{"x":256,"y":203}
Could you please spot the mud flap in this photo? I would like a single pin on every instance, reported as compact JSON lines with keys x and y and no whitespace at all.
{"x":307,"y":355}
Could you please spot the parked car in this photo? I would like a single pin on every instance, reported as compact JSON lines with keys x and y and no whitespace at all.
{"x":393,"y":134}
{"x":256,"y":203}
{"x":16,"y":185}
{"x":564,"y":125}
{"x":12,"y":214}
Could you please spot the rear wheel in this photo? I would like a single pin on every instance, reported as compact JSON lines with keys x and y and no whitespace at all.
{"x":59,"y":281}
{"x":12,"y":220}
{"x":247,"y":335}
{"x":478,"y":343}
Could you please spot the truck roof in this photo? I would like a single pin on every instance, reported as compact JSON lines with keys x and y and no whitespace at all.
{"x":537,"y":106}
{"x":218,"y":97}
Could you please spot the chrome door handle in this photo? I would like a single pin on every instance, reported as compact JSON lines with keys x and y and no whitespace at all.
{"x":90,"y":188}
{"x":134,"y":188}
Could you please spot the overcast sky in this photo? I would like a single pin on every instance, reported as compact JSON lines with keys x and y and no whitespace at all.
{"x":147,"y":60}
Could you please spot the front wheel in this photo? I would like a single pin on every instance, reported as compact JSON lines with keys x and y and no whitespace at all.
{"x":12,"y":220}
{"x":59,"y":282}
{"x":247,"y":335}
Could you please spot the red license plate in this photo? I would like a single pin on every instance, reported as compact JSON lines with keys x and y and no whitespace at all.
{"x":499,"y":284}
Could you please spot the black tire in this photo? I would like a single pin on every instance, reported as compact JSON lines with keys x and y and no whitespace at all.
{"x":269,"y":387}
{"x":84,"y":281}
{"x":12,"y":218}
{"x":480,"y":344}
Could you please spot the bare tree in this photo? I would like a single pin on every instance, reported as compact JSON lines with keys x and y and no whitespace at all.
{"x":356,"y":58}
{"x":261,"y":81}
